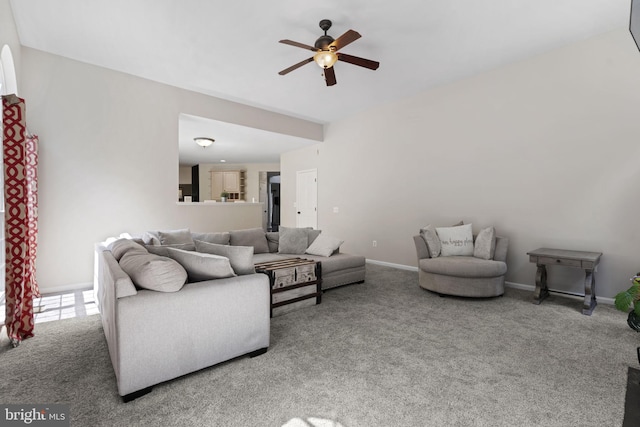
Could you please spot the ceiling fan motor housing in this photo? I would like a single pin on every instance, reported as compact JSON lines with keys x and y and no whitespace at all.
{"x":323,"y":42}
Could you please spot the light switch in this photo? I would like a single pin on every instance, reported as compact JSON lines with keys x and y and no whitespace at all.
{"x":336,"y":210}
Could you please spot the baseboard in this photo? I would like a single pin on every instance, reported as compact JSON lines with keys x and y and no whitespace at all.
{"x":67,"y":288}
{"x":392,"y":265}
{"x":531,"y":288}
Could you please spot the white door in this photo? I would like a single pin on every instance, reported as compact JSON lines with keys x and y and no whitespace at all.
{"x":307,"y":198}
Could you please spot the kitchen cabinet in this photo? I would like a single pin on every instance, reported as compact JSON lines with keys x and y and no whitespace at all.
{"x":233,"y":182}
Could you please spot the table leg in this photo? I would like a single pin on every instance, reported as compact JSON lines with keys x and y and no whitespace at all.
{"x":542,"y":290}
{"x":589,"y":293}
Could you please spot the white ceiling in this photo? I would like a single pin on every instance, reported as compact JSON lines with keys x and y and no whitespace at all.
{"x":230,"y":49}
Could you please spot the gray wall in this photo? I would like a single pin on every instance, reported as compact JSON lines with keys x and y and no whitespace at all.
{"x":546,"y":150}
{"x":109,"y":159}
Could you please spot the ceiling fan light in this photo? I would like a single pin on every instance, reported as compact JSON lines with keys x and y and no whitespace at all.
{"x":325,"y":58}
{"x":203,"y":142}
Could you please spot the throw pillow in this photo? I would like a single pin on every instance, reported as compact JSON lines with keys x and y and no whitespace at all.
{"x":430,"y":236}
{"x":456,"y":240}
{"x":153,"y":272}
{"x":293,"y":240}
{"x":221,"y":238}
{"x":312,"y":235}
{"x":121,"y":246}
{"x":175,"y":237}
{"x":240,"y":257}
{"x":255,"y":237}
{"x":162,"y":249}
{"x":273,"y":239}
{"x":201,"y":266}
{"x":485,"y":244}
{"x":324,"y":245}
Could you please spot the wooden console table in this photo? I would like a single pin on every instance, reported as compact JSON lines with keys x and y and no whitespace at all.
{"x":577,"y":259}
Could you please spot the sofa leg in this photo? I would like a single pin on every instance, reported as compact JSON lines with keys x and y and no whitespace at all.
{"x":258,"y":352}
{"x":136,"y":394}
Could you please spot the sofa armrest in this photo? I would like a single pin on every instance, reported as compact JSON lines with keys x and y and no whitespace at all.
{"x":502,"y":244}
{"x":421,"y":247}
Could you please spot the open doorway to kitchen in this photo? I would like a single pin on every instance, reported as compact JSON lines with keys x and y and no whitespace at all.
{"x":269,"y":196}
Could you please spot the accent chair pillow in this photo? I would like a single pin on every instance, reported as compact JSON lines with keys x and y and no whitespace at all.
{"x":485,"y":244}
{"x":430,"y":236}
{"x":255,"y":237}
{"x":324,"y":245}
{"x":201,"y":266}
{"x":456,"y":240}
{"x":240,"y":257}
{"x":293,"y":240}
{"x":153,"y":272}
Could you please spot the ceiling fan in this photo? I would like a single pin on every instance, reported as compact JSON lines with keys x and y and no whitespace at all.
{"x":327,"y":54}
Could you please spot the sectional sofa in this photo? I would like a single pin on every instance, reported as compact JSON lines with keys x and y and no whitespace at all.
{"x":168,"y":309}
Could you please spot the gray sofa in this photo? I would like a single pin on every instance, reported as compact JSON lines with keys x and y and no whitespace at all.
{"x":157,"y":336}
{"x":161,"y":328}
{"x":462,"y":275}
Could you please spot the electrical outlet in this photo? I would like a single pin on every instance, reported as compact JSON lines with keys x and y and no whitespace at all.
{"x":375,"y":243}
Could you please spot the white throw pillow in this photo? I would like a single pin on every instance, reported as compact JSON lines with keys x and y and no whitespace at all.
{"x":456,"y":240}
{"x":324,"y":245}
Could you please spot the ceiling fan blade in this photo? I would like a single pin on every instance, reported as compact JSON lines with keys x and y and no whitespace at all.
{"x":366,"y":63}
{"x":330,"y":76}
{"x":296,"y":44}
{"x":348,"y":37}
{"x":293,"y":67}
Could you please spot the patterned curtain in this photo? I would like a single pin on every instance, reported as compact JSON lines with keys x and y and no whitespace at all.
{"x":21,"y":215}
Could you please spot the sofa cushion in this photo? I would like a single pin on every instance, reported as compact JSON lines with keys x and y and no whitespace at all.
{"x":456,"y":240}
{"x":175,"y":237}
{"x":221,"y":238}
{"x":268,"y":257}
{"x":121,"y":246}
{"x":430,"y":236}
{"x":324,"y":245}
{"x":202,"y":266}
{"x":240,"y":257}
{"x":463,"y":266}
{"x":255,"y":237}
{"x":273,"y":240}
{"x":337,"y":262}
{"x":153,"y":272}
{"x":293,"y":240}
{"x":485,"y":245}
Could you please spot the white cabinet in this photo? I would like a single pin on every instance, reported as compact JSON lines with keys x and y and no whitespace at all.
{"x":230,"y":181}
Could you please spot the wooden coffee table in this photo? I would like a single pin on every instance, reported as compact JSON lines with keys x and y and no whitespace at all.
{"x":292,"y":280}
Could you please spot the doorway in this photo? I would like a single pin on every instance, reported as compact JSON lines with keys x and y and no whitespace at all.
{"x":269,"y":196}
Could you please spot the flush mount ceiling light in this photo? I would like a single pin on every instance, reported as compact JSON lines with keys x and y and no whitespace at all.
{"x":203,"y":142}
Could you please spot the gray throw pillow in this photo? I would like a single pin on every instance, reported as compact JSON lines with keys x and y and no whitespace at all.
{"x":485,"y":244}
{"x":221,"y":238}
{"x":312,"y":235}
{"x":200,"y":266}
{"x":255,"y":237}
{"x":162,"y":249}
{"x":430,"y":236}
{"x":293,"y":240}
{"x":121,"y":246}
{"x":273,"y":239}
{"x":153,"y":272}
{"x":324,"y":245}
{"x":175,"y":237}
{"x":240,"y":257}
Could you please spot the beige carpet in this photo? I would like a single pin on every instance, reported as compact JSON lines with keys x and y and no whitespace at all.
{"x":382,"y":353}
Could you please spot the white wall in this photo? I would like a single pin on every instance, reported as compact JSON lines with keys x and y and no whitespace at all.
{"x":9,"y":35}
{"x":109,"y":159}
{"x":546,"y":150}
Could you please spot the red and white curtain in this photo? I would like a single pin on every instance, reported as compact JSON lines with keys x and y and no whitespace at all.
{"x":20,"y":158}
